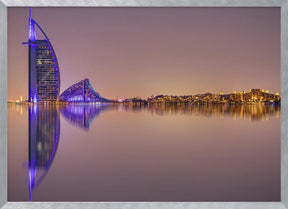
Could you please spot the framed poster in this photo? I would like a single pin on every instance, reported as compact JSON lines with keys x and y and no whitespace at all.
{"x":143,"y":104}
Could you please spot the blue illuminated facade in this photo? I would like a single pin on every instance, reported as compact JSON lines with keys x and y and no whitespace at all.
{"x":44,"y":75}
{"x":82,"y":92}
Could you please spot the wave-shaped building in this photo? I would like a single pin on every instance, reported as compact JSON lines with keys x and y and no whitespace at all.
{"x":82,"y":92}
{"x":44,"y":75}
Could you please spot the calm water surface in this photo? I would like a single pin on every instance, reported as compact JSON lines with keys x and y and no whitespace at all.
{"x":125,"y":153}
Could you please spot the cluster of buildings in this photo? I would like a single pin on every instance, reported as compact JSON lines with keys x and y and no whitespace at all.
{"x":254,"y":96}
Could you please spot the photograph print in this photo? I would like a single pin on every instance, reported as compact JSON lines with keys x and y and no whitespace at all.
{"x":175,"y":104}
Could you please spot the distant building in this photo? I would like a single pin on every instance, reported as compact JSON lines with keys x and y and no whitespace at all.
{"x":82,"y":92}
{"x":44,"y":76}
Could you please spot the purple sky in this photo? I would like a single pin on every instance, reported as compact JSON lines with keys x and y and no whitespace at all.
{"x":129,"y":52}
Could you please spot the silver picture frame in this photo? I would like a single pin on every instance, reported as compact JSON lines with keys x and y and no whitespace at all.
{"x":283,"y":4}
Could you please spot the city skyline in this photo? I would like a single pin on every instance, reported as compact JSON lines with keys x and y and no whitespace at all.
{"x":131,"y":52}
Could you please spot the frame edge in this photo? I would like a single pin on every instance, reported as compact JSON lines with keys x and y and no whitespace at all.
{"x":3,"y":87}
{"x":284,"y":105}
{"x":146,"y":3}
{"x":3,"y":104}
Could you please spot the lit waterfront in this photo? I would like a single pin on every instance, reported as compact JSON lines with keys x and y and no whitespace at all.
{"x":144,"y":153}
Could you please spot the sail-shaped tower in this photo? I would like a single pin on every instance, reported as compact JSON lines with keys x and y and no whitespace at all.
{"x":44,"y":75}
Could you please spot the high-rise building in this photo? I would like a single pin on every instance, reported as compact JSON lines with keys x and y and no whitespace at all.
{"x":44,"y":76}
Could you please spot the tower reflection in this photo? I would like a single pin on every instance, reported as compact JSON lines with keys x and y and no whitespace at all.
{"x":44,"y":129}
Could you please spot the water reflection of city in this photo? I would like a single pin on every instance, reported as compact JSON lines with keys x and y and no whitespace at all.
{"x":44,"y":134}
{"x":81,"y":116}
{"x":44,"y":125}
{"x":250,"y":112}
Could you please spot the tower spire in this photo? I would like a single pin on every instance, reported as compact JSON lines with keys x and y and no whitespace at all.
{"x":32,"y":34}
